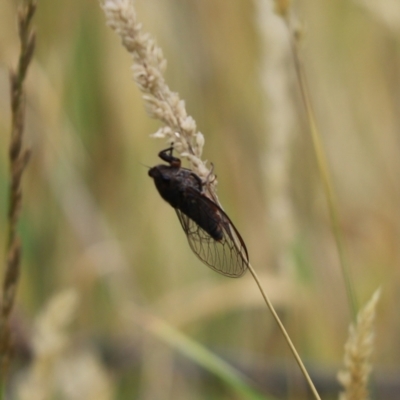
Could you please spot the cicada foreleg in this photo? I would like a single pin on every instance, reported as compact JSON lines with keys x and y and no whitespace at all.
{"x":167,"y":156}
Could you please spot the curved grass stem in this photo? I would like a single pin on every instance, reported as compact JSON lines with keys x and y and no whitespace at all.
{"x":285,"y":334}
{"x":324,"y":172}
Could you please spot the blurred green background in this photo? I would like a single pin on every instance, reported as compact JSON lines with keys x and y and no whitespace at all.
{"x":93,"y":220}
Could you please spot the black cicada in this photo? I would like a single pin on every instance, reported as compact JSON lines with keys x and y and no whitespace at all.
{"x":211,"y":234}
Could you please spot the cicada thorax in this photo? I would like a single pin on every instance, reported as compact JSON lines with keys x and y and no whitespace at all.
{"x":182,"y":189}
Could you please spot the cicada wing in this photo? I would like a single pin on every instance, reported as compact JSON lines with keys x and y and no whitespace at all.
{"x":228,"y":255}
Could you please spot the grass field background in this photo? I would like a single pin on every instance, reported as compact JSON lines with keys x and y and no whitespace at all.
{"x":93,"y":221}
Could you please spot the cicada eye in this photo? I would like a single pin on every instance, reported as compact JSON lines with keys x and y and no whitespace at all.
{"x":157,"y":174}
{"x":152,"y":172}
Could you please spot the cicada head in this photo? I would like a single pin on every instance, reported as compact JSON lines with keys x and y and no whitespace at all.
{"x":164,"y":179}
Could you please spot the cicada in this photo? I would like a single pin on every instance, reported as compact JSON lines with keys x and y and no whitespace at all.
{"x":210,"y":232}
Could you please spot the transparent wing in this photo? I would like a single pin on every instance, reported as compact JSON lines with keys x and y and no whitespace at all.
{"x":228,"y":256}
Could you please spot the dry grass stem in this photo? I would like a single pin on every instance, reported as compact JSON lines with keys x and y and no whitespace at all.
{"x":18,"y":160}
{"x":358,"y":349}
{"x":295,"y":36}
{"x":285,"y":335}
{"x":161,"y":103}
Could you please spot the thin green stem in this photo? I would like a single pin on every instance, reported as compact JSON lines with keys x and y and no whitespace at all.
{"x":285,"y":334}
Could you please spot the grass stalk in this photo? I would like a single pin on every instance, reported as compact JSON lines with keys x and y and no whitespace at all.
{"x":283,"y":9}
{"x":285,"y":334}
{"x":324,"y":170}
{"x":18,"y":160}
